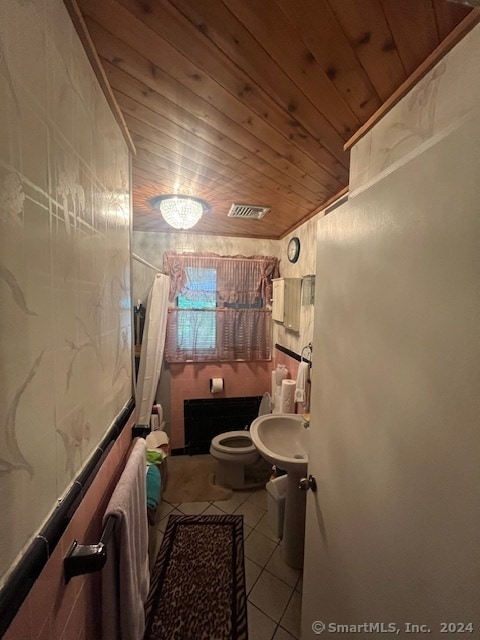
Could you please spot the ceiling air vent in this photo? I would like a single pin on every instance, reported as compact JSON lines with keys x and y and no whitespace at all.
{"x":254,"y":212}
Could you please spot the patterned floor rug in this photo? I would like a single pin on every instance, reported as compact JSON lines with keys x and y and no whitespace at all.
{"x":197,"y":589}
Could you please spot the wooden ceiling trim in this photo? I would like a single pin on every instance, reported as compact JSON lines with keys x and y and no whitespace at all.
{"x":143,"y":41}
{"x":87,"y":43}
{"x":272,"y":29}
{"x":367,"y":30}
{"x":334,"y":53}
{"x":192,"y":43}
{"x":472,"y":19}
{"x":237,"y":43}
{"x":311,"y":214}
{"x":447,"y":16}
{"x":412,"y":46}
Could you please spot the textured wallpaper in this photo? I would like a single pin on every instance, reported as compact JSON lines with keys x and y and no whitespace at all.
{"x":448,"y":94}
{"x":65,"y":321}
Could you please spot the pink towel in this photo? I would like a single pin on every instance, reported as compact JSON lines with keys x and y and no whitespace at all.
{"x":125,"y":577}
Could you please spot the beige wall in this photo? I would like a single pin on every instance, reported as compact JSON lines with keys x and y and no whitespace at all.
{"x":65,"y":326}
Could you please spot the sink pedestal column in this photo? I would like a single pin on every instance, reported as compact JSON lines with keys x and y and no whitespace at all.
{"x":294,"y":523}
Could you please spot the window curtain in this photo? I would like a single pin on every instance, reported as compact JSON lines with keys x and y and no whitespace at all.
{"x":240,"y":317}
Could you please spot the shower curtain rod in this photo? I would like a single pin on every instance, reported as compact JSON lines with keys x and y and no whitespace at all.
{"x":147,"y":264}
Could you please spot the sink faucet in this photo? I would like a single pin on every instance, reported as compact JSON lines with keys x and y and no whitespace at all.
{"x":306,"y":420}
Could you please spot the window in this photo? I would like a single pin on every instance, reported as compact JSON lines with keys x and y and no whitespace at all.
{"x":197,"y":327}
{"x":220,"y":310}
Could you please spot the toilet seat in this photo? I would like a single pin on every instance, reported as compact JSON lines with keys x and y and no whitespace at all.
{"x":234,"y":443}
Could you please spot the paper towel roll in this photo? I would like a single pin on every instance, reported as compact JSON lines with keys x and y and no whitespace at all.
{"x":287,"y":396}
{"x":216,"y":385}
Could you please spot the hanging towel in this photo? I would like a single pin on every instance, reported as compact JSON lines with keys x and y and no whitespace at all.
{"x":125,"y":577}
{"x":302,"y":379}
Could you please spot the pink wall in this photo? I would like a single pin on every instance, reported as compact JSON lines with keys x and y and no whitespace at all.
{"x":53,"y":610}
{"x":191,"y":381}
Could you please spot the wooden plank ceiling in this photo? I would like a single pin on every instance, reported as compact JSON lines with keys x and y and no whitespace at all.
{"x":252,"y":101}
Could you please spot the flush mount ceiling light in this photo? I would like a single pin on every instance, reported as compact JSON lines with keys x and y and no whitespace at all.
{"x":180,"y":212}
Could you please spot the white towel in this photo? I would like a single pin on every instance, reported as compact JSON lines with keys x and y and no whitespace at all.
{"x":302,"y":380}
{"x":125,"y":577}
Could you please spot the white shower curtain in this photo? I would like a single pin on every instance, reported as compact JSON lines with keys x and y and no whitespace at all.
{"x":153,"y":344}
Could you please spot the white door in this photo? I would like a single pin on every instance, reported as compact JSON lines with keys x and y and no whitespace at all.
{"x":392,"y":532}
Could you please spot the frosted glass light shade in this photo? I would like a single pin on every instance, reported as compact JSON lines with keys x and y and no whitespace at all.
{"x":180,"y":212}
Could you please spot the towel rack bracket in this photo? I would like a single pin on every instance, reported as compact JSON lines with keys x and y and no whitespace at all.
{"x":88,"y":558}
{"x":140,"y":431}
{"x":84,"y":558}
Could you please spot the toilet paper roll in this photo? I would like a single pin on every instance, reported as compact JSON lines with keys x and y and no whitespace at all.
{"x":216,"y":385}
{"x":287,"y":396}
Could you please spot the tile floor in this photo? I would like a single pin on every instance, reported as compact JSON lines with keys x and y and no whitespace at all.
{"x":273,"y":588}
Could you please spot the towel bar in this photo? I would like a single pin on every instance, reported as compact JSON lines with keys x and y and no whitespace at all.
{"x":88,"y":558}
{"x":308,"y":357}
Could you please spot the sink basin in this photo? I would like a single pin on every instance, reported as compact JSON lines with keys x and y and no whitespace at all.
{"x":281,"y":439}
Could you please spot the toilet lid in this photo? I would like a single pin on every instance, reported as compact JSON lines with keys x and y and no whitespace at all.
{"x":265,"y":405}
{"x":234,"y":442}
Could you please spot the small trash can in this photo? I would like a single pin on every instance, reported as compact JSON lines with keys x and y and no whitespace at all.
{"x":276,"y":493}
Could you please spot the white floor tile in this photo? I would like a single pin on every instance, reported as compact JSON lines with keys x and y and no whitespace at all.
{"x":229,"y":506}
{"x":212,"y":510}
{"x":270,"y":595}
{"x":162,"y":525}
{"x":291,"y":619}
{"x":281,"y":634}
{"x":246,"y":531}
{"x":193,"y":508}
{"x":299,"y":585}
{"x":264,"y":527}
{"x":259,"y":548}
{"x":163,"y":509}
{"x":251,"y":513}
{"x":277,"y":566}
{"x":258,"y":498}
{"x":155,"y":537}
{"x":260,"y":627}
{"x":252,"y":571}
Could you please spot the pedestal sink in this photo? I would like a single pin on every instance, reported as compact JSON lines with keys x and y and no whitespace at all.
{"x":281,"y":439}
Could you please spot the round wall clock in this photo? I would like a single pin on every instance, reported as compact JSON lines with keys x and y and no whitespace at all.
{"x":293,"y":249}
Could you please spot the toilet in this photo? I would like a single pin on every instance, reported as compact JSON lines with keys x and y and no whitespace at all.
{"x":239,"y":465}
